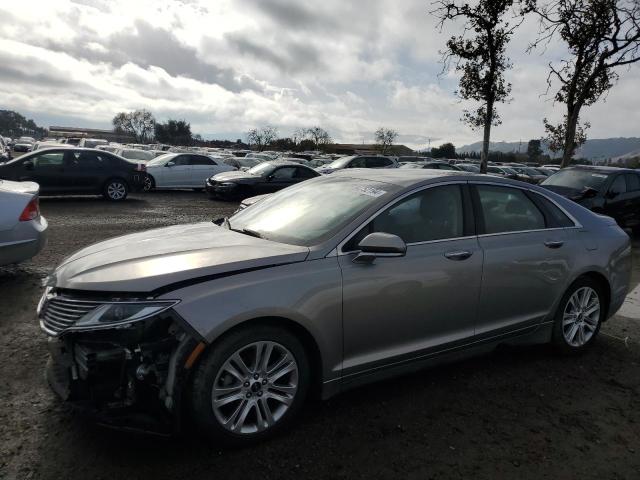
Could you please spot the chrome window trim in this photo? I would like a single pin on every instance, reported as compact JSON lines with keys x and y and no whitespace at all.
{"x":388,"y":205}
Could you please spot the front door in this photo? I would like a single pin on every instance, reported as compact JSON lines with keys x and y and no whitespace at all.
{"x":47,"y":169}
{"x":400,"y":309}
{"x":280,"y":178}
{"x":178,"y":174}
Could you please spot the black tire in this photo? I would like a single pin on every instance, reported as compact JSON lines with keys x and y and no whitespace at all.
{"x":201,"y":388}
{"x":115,"y":190}
{"x":560,"y":331}
{"x":149,"y":183}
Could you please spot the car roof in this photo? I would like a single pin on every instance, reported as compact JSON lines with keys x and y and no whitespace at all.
{"x":602,"y":168}
{"x":402,"y":177}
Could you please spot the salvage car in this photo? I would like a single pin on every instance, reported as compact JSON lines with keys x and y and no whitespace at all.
{"x":358,"y":161}
{"x":267,"y":177}
{"x":610,"y":191}
{"x":183,"y":170}
{"x":335,"y":282}
{"x":23,"y":231}
{"x":77,"y":171}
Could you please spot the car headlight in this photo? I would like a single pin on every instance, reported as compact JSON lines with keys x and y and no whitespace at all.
{"x":117,"y":313}
{"x":226,"y":185}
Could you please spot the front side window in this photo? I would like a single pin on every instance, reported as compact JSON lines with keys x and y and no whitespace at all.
{"x":633,"y":182}
{"x":508,"y":210}
{"x":378,"y":162}
{"x":435,"y":213}
{"x":46,"y":160}
{"x":284,"y":173}
{"x":358,"y":163}
{"x":618,"y":186}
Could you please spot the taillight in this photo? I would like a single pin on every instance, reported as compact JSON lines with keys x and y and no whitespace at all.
{"x":31,"y":211}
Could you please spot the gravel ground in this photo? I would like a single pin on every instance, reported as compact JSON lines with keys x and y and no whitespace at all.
{"x":517,"y":413}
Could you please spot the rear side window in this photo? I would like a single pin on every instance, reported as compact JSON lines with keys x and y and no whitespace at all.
{"x":358,"y":163}
{"x":201,"y":160}
{"x":508,"y":210}
{"x":633,"y":182}
{"x":556,"y":218}
{"x":305,"y":173}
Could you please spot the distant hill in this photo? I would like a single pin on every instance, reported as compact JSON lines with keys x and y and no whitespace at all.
{"x":593,"y":149}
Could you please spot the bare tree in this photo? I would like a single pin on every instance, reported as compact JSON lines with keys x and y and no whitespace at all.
{"x":385,"y":138}
{"x":319,"y":136}
{"x":262,"y":137}
{"x":139,"y":123}
{"x":480,"y":55}
{"x":600,"y":36}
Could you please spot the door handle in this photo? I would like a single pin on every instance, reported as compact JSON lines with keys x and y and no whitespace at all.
{"x":553,"y":244}
{"x":458,"y":255}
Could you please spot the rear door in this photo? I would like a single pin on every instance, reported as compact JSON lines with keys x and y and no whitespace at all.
{"x":84,"y":171}
{"x":527,"y":257}
{"x":617,"y":200}
{"x":202,"y":167}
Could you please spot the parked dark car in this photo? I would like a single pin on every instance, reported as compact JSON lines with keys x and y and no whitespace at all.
{"x":611,"y":191}
{"x":268,"y":177}
{"x":77,"y":171}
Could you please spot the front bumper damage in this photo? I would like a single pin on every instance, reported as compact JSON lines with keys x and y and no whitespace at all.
{"x":130,"y":377}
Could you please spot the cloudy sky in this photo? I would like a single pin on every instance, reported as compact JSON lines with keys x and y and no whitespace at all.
{"x":229,"y":65}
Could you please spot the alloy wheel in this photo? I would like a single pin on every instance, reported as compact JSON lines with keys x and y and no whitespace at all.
{"x":148,"y":184}
{"x":581,"y":317}
{"x":255,"y":387}
{"x":116,"y":190}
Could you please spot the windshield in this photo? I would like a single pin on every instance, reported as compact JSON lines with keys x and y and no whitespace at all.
{"x":577,"y":179}
{"x":312,"y":211}
{"x":340,"y":163}
{"x":263,"y":169}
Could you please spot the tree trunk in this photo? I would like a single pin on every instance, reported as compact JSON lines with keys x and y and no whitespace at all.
{"x":570,"y":136}
{"x":484,"y":155}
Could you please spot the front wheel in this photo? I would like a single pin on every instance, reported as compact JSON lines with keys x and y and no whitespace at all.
{"x":250,"y":385}
{"x":579,"y":316}
{"x":116,"y":190}
{"x":149,"y":183}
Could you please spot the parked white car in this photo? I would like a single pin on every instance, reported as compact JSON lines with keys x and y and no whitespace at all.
{"x":23,"y":231}
{"x":183,"y":170}
{"x":135,"y":154}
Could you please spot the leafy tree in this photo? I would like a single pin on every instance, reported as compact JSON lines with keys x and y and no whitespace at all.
{"x":174,"y":132}
{"x":534,"y":149}
{"x":261,"y":137}
{"x":385,"y":138}
{"x":15,"y":125}
{"x":481,"y":59}
{"x":446,"y":150}
{"x":139,"y":123}
{"x":600,"y":36}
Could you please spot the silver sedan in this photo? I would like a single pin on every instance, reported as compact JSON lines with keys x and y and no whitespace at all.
{"x":326,"y":285}
{"x":23,"y":231}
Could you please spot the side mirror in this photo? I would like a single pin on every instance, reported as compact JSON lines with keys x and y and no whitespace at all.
{"x":28,"y":165}
{"x":380,"y":244}
{"x":589,"y":192}
{"x":169,"y":164}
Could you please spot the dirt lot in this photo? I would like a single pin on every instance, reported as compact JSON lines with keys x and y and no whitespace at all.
{"x":518,"y":413}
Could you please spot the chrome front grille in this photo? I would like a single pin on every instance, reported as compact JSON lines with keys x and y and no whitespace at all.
{"x":59,"y":313}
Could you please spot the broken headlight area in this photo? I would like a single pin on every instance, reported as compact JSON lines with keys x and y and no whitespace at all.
{"x":131,"y":375}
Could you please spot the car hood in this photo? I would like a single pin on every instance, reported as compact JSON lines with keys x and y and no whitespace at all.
{"x":236,"y":176}
{"x":147,"y":261}
{"x":572,"y":193}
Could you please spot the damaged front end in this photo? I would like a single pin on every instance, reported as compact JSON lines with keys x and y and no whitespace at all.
{"x":123,"y":359}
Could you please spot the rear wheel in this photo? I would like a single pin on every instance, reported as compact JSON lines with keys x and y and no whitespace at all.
{"x":579,"y":316}
{"x":116,"y":190}
{"x":250,"y":385}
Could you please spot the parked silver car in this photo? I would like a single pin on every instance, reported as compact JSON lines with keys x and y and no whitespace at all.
{"x":23,"y":231}
{"x":335,"y":282}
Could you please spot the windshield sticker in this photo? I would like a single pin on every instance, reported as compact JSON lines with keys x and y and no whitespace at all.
{"x":598,"y":175}
{"x":371,"y":191}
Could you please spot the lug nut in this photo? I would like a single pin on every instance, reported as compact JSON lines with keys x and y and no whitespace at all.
{"x":256,"y":376}
{"x":264,"y":382}
{"x":259,"y":394}
{"x":246,"y":384}
{"x":249,"y":395}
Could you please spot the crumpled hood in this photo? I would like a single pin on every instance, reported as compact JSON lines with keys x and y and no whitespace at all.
{"x":146,"y":261}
